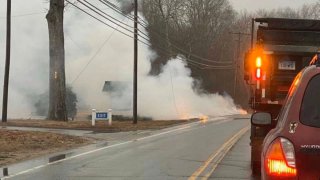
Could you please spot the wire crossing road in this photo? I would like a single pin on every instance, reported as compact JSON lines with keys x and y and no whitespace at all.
{"x":187,"y":152}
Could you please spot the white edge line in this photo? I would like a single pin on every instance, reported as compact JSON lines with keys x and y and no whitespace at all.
{"x":107,"y":147}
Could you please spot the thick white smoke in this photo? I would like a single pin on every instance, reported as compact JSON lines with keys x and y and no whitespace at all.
{"x":95,"y":54}
{"x":29,"y":55}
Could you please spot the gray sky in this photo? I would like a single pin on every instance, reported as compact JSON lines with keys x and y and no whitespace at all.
{"x":253,"y":5}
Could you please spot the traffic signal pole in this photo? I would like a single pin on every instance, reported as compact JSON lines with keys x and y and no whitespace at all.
{"x":135,"y":79}
{"x":7,"y":65}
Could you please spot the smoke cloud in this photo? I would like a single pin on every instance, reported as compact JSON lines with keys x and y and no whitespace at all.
{"x":29,"y":55}
{"x":127,"y":6}
{"x":96,"y":53}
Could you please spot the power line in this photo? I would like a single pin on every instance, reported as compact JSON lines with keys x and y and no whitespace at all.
{"x":184,"y":51}
{"x":98,"y":19}
{"x":117,"y":9}
{"x":71,"y":39}
{"x":103,"y":15}
{"x":114,"y":20}
{"x":127,"y":29}
{"x":92,"y":58}
{"x":159,"y":35}
{"x":108,"y":15}
{"x":172,"y":88}
{"x":237,"y":60}
{"x":173,"y":94}
{"x":188,"y":60}
{"x":227,"y":64}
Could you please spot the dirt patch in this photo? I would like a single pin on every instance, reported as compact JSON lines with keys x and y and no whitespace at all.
{"x":23,"y":145}
{"x":101,"y":126}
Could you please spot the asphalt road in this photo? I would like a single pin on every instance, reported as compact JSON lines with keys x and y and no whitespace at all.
{"x":236,"y":164}
{"x":195,"y":151}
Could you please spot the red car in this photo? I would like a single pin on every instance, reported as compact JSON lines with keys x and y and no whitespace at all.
{"x":292,"y":149}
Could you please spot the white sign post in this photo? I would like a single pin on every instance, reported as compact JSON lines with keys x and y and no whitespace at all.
{"x":110,"y":117}
{"x":99,"y":115}
{"x":93,"y":117}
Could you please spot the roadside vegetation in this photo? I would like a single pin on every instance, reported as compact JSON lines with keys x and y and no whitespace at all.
{"x":16,"y":146}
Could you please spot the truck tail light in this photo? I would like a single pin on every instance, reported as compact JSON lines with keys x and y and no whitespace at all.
{"x":258,"y":68}
{"x":258,"y":73}
{"x":258,"y":62}
{"x":280,"y":159}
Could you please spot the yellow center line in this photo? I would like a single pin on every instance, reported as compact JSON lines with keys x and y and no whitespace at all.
{"x":224,"y":153}
{"x":223,"y":149}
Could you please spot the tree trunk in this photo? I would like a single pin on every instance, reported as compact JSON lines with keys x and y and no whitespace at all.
{"x":57,"y":86}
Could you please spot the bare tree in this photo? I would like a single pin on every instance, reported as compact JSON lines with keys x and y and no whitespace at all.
{"x":57,"y":85}
{"x":310,"y":11}
{"x":160,"y":15}
{"x":199,"y":27}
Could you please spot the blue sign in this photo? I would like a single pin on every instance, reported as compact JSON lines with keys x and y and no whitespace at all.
{"x":101,"y":115}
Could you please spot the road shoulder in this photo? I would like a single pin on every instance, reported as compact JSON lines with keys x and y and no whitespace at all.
{"x":236,"y":164}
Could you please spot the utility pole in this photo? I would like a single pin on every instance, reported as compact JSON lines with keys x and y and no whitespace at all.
{"x":252,"y":32}
{"x":7,"y":65}
{"x":237,"y":60}
{"x":236,"y":66}
{"x":135,"y":71}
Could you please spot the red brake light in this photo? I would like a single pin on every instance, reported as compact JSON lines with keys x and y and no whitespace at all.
{"x":280,"y":160}
{"x":258,"y":73}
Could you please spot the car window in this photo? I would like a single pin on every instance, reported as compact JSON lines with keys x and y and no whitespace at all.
{"x":310,"y":108}
{"x":288,"y":100}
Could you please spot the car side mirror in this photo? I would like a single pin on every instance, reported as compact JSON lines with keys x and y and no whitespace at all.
{"x":261,"y":119}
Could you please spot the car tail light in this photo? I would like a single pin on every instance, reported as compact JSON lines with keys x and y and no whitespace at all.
{"x":280,"y":159}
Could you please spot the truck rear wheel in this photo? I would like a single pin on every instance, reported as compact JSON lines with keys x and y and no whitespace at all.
{"x":255,"y":163}
{"x":256,"y":144}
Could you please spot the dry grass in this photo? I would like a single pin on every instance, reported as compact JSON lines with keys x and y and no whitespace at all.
{"x":22,"y":145}
{"x":101,"y":126}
